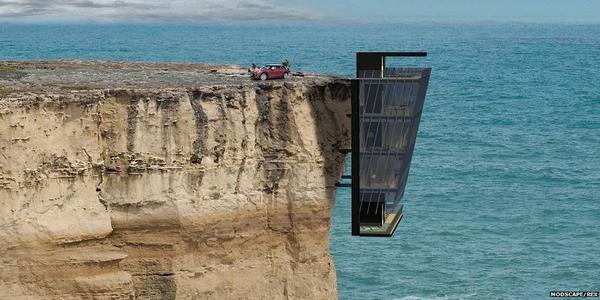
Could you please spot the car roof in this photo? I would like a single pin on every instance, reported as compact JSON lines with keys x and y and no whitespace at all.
{"x":273,"y":65}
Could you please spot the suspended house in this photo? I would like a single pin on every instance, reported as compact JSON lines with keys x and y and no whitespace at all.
{"x":387,"y":104}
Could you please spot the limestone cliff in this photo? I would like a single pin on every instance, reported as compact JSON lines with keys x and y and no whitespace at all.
{"x":163,"y":181}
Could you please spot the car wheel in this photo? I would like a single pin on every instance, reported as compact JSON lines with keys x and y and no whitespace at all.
{"x":286,"y":75}
{"x":263,"y":76}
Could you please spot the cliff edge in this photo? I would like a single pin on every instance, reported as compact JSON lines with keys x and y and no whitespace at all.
{"x":164,"y":181}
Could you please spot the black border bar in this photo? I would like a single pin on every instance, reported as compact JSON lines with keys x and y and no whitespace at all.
{"x":407,"y":54}
{"x":355,"y":157}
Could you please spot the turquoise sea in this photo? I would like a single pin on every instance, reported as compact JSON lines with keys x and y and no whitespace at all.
{"x":503,"y":198}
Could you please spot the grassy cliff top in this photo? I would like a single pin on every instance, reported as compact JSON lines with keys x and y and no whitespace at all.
{"x":60,"y":77}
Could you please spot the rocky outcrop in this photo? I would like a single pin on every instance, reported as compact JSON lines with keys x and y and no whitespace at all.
{"x":156,"y":182}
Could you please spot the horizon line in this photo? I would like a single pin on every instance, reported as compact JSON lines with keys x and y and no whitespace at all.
{"x":303,"y":22}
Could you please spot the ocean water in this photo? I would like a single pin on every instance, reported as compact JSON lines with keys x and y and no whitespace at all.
{"x":503,"y":197}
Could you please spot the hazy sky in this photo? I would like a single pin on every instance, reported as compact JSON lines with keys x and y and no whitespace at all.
{"x":579,"y":11}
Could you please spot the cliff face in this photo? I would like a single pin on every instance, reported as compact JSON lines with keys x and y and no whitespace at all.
{"x":167,"y":181}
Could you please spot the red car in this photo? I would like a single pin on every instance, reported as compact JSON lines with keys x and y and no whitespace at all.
{"x":270,"y":71}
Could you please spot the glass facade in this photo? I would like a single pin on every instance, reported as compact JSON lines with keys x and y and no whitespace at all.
{"x":387,"y":110}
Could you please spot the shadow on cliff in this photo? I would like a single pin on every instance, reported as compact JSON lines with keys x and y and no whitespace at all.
{"x":278,"y":134}
{"x":331,"y":106}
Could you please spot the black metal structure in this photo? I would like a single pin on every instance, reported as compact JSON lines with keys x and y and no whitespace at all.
{"x":386,"y":110}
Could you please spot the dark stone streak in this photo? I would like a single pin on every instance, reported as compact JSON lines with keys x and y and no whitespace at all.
{"x":199,"y":145}
{"x":132,"y":113}
{"x":219,"y":150}
{"x":167,"y":106}
{"x":244,"y":145}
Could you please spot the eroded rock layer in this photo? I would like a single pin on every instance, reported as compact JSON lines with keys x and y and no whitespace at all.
{"x":164,"y":191}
